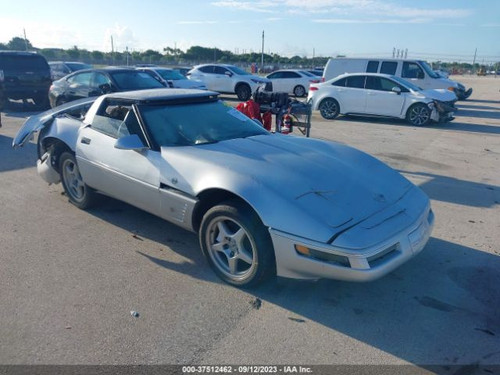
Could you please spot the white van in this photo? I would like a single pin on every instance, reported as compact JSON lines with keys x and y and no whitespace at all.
{"x":416,"y":71}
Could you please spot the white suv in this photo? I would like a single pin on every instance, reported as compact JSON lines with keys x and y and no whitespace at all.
{"x":228,"y":79}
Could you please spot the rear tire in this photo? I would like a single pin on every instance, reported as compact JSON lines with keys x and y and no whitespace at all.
{"x":236,"y":244}
{"x":299,"y":91}
{"x":78,"y":193}
{"x":329,"y":108}
{"x":243,"y":92}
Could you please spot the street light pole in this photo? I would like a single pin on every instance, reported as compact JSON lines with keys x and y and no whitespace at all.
{"x":262,"y":55}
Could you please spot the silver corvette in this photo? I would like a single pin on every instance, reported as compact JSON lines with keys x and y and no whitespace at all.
{"x":262,"y":204}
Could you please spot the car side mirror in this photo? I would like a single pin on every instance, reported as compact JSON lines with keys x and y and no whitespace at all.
{"x":229,"y":74}
{"x":396,"y":89}
{"x":130,"y":142}
{"x":105,"y":88}
{"x":420,"y":75}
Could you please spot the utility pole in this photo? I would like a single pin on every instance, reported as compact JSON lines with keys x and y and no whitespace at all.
{"x":112,"y":51}
{"x":25,"y":39}
{"x":474,"y":61}
{"x":262,"y":55}
{"x":312,"y":62}
{"x":126,"y":49}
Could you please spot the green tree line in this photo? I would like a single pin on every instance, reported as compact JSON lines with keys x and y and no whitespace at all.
{"x":192,"y":56}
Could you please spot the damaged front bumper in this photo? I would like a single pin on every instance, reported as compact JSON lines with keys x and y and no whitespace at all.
{"x":442,"y":111}
{"x":299,"y":258}
{"x":46,"y":171}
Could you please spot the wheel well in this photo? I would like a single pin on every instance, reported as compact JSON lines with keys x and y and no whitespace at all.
{"x":207,"y":200}
{"x":239,"y":84}
{"x":329,"y":97}
{"x":56,"y":148}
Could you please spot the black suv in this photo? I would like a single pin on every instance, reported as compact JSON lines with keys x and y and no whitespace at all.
{"x":26,"y":75}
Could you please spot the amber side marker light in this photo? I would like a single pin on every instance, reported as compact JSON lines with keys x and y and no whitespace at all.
{"x":302,"y":250}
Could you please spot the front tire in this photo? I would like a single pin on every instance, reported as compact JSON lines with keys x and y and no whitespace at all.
{"x":78,"y":193}
{"x":329,"y":108}
{"x":418,"y":115}
{"x":243,"y":92}
{"x":236,"y":244}
{"x":299,"y":91}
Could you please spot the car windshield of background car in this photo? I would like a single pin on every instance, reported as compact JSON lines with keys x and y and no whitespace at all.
{"x":19,"y":63}
{"x":428,"y":70}
{"x":135,"y":81}
{"x":307,"y":73}
{"x":197,"y":123}
{"x":78,"y":66}
{"x":171,"y":75}
{"x":407,"y":84}
{"x":239,"y":71}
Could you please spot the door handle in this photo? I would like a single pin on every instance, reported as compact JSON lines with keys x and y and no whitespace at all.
{"x":85,"y":140}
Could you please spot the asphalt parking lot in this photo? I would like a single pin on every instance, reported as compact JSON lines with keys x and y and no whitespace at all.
{"x":70,"y":278}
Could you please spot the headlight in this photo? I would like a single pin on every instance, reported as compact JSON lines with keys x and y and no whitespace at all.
{"x":452,"y":89}
{"x":256,"y":80}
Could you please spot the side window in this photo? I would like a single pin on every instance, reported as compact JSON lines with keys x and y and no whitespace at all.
{"x":274,"y":75}
{"x":220,"y":70}
{"x":340,"y":82}
{"x":412,"y":70}
{"x":100,"y":79}
{"x":389,"y":67}
{"x":387,"y":84}
{"x":373,"y":83}
{"x":207,"y":69}
{"x":372,"y":67}
{"x":82,"y":79}
{"x":110,"y":120}
{"x":291,"y":75}
{"x":357,"y":82}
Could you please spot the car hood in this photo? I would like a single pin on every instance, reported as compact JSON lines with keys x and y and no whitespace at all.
{"x":312,"y":188}
{"x":440,"y":94}
{"x":35,"y":123}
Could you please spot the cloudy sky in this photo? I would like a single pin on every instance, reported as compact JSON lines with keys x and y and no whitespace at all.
{"x":440,"y":29}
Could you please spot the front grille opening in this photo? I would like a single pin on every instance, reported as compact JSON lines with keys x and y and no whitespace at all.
{"x":382,"y":257}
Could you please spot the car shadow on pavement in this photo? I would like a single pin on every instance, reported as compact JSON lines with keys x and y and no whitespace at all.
{"x":482,"y":101}
{"x":440,"y":308}
{"x":453,"y":125}
{"x":11,"y":159}
{"x":142,"y":225}
{"x":454,"y":190}
{"x":467,"y":127}
{"x":485,"y":107}
{"x":473,"y":111}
